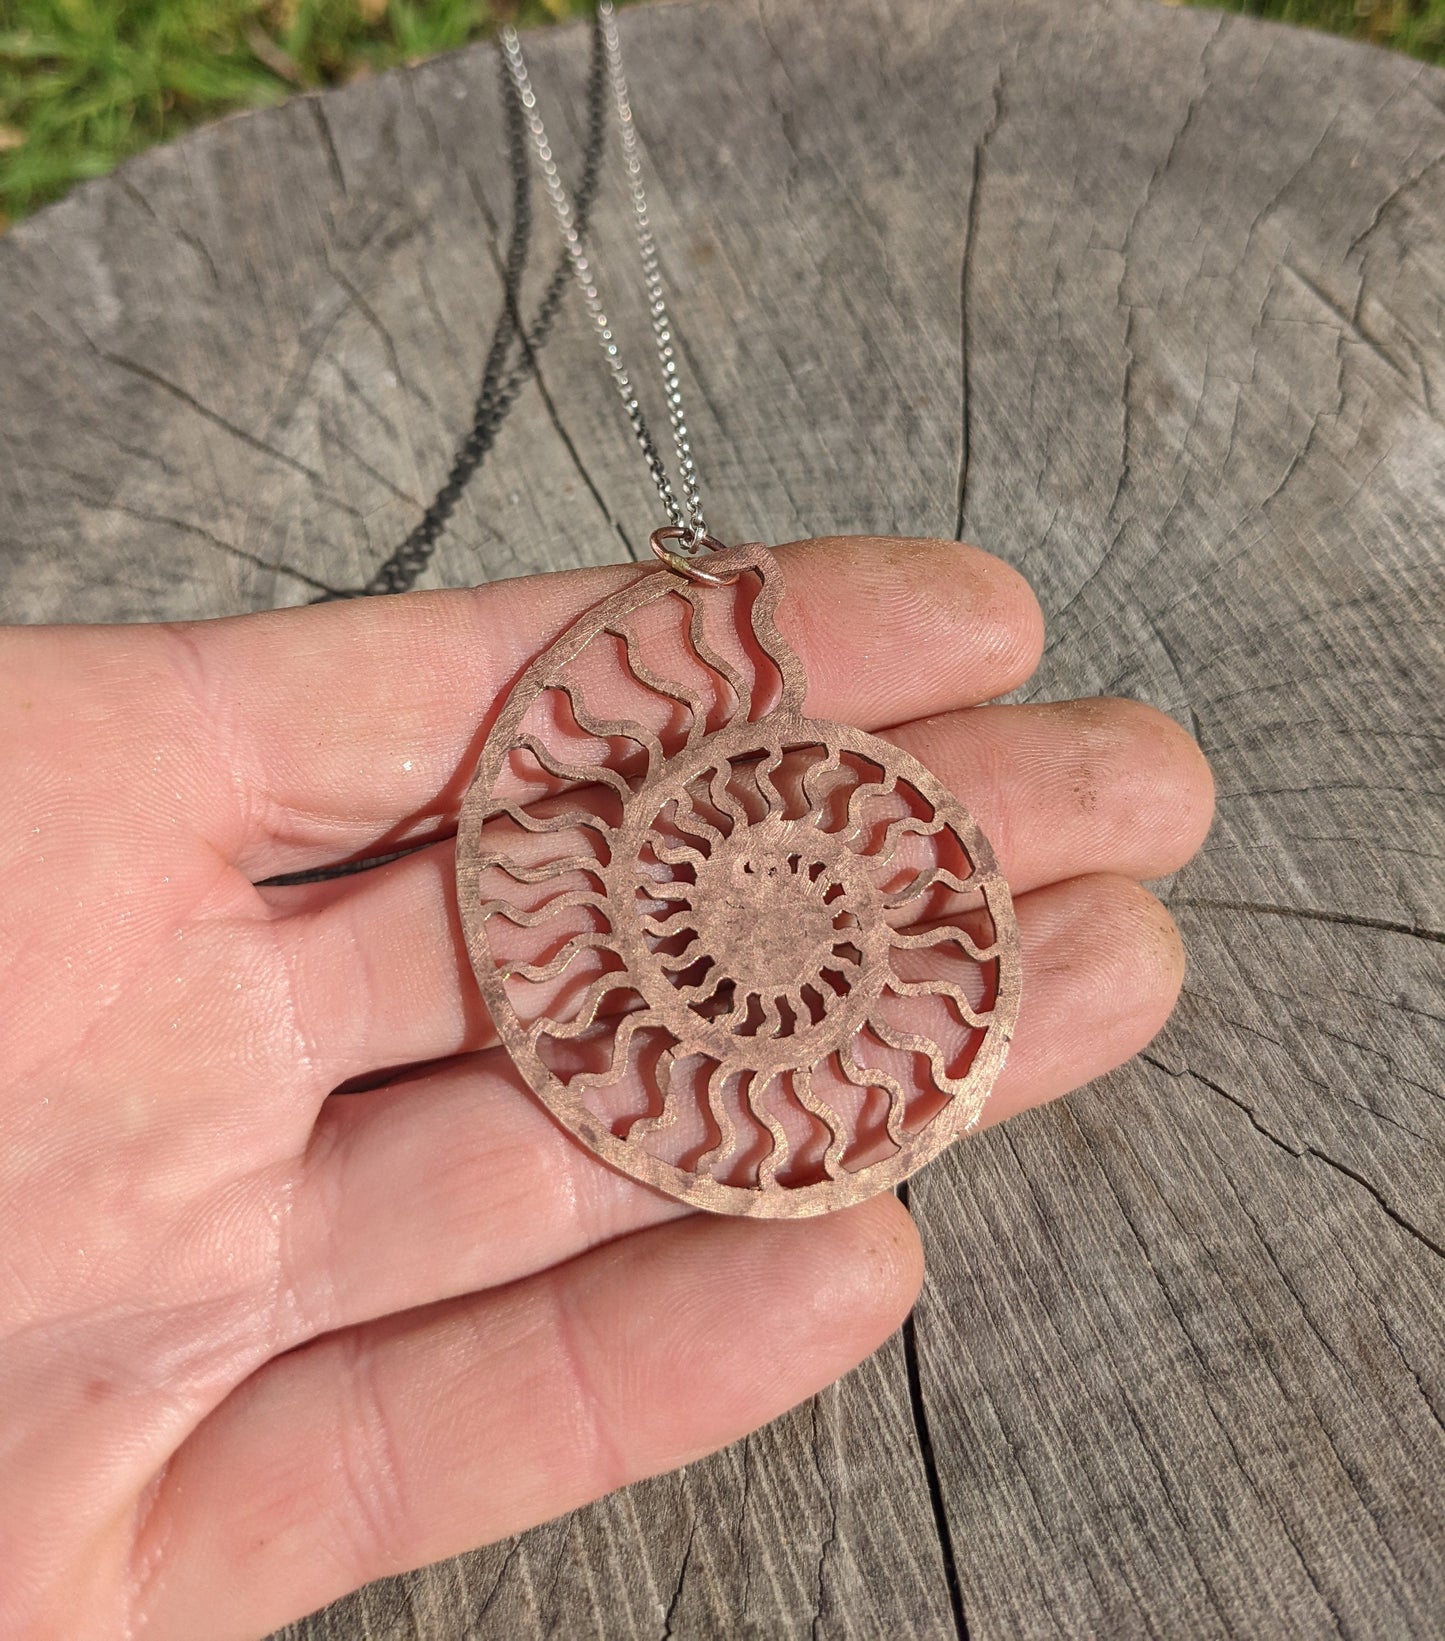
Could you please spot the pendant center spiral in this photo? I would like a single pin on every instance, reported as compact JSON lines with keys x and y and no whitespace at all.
{"x":755,"y":929}
{"x":775,"y":910}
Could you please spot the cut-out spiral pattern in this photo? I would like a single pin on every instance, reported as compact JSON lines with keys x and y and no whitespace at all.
{"x":760,"y":961}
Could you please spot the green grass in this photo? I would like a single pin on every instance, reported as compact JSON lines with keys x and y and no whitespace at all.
{"x":84,"y":83}
{"x":1413,"y":26}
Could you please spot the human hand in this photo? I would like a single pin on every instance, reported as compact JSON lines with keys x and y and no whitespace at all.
{"x":260,"y":1344}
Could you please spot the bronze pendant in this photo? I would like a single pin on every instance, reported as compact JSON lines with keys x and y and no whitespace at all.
{"x":763,"y":962}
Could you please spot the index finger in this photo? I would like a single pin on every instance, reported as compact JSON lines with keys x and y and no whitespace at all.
{"x":358,"y":723}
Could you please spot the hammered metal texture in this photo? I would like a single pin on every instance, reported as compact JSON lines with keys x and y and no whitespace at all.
{"x":762,"y":962}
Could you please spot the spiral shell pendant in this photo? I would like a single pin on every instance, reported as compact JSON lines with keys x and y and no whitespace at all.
{"x":762,"y":962}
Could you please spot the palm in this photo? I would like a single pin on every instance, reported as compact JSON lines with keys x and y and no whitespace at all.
{"x":497,"y":1327}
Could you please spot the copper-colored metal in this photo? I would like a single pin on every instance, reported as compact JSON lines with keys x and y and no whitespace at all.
{"x":763,"y":962}
{"x":687,"y":565}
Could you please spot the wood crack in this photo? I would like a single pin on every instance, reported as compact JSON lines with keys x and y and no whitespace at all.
{"x":1311,"y":914}
{"x":593,"y":489}
{"x":363,"y":306}
{"x":924,"y":1438}
{"x":965,"y":293}
{"x":742,"y":1540}
{"x":329,"y":429}
{"x":148,"y":374}
{"x":1221,"y":1425}
{"x":1411,"y":1369}
{"x":824,"y":1549}
{"x":1386,"y":205}
{"x":1301,"y":1152}
{"x":1353,"y":993}
{"x":1158,"y":174}
{"x":1346,"y":321}
{"x":322,"y":121}
{"x":1358,"y":1484}
{"x":218,"y":542}
{"x":191,"y":241}
{"x":1146,"y":1439}
{"x":670,"y":1617}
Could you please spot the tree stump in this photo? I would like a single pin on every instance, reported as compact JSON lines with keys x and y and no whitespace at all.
{"x":1148,"y":301}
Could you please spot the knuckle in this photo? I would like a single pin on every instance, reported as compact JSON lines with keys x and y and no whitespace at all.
{"x":582,"y":1402}
{"x":376,"y":1518}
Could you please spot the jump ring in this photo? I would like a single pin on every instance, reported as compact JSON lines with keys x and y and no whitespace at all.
{"x":683,"y":565}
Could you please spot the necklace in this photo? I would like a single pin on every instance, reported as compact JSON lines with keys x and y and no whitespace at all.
{"x":763,"y":962}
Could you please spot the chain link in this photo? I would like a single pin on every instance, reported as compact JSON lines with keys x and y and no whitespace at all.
{"x":686,"y":516}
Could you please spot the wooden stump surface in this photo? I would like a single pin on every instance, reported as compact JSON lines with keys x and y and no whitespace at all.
{"x":1150,"y":302}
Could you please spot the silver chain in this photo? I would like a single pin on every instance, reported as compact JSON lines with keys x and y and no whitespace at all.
{"x":687,"y":516}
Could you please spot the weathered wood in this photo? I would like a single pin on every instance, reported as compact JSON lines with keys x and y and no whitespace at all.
{"x":1150,"y":301}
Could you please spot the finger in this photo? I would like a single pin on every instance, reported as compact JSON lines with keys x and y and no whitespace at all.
{"x":1103,"y":964}
{"x":1072,"y":787}
{"x":459,"y":1180}
{"x":1061,"y":791}
{"x":355,"y":723}
{"x":391,"y":1446}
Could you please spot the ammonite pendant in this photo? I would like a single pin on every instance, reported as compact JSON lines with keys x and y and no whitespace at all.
{"x":763,"y":962}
